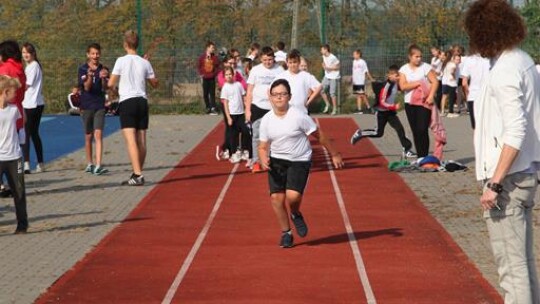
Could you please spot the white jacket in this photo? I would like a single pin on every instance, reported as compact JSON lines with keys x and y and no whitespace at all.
{"x":508,"y":113}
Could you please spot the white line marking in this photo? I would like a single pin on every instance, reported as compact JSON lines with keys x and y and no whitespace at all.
{"x":202,"y":235}
{"x":360,"y":266}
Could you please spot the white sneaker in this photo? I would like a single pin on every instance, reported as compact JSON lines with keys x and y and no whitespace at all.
{"x":334,"y":112}
{"x":325,"y":109}
{"x":39,"y":168}
{"x":26,"y":167}
{"x":452,"y":115}
{"x":245,"y":155}
{"x":236,"y":157}
{"x":225,"y":154}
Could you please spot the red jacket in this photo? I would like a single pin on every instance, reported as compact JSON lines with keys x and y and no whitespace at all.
{"x":15,"y":69}
{"x":208,"y":66}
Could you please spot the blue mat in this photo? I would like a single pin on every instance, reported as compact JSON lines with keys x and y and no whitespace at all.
{"x":63,"y":134}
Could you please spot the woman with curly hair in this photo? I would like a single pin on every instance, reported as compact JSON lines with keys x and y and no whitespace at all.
{"x":507,"y":144}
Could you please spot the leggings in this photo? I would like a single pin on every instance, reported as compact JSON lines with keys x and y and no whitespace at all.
{"x":33,"y":119}
{"x":419,"y":119}
{"x":13,"y":169}
{"x":390,"y":117}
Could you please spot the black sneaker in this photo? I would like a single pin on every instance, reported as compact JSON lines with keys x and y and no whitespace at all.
{"x":286,"y":240}
{"x":356,"y":136}
{"x":134,"y":180}
{"x":299,"y":223}
{"x":21,"y":229}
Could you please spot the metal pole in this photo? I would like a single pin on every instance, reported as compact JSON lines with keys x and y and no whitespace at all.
{"x":139,"y":26}
{"x":294,"y":33}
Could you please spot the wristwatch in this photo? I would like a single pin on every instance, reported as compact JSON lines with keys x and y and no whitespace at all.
{"x":497,"y":188}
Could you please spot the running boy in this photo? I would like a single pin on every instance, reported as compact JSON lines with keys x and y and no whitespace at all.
{"x":11,"y":162}
{"x":387,"y":113}
{"x":285,"y":151}
{"x":331,"y":78}
{"x":133,"y":71}
{"x":359,"y":73}
{"x":232,"y":96}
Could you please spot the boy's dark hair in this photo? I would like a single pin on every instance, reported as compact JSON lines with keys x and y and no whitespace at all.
{"x":282,"y":82}
{"x":326,"y":47}
{"x":209,"y":43}
{"x":359,"y":52}
{"x":94,"y":45}
{"x":267,"y":51}
{"x":255,"y":46}
{"x":294,"y":54}
{"x":280,"y":45}
{"x":393,"y":68}
{"x":413,"y":47}
{"x":10,"y":49}
{"x":131,"y":39}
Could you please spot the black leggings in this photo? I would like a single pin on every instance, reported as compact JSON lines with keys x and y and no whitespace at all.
{"x":239,"y":128}
{"x":33,"y":119}
{"x":384,"y":117}
{"x":470,"y":107}
{"x":419,"y":119}
{"x":15,"y":177}
{"x":209,"y":93}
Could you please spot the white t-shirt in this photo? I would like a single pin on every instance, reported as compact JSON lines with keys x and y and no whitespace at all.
{"x":301,"y":86}
{"x":476,"y":69}
{"x":233,"y":92}
{"x":411,"y":75}
{"x":133,"y":71}
{"x":9,"y":138}
{"x":280,"y":56}
{"x":464,"y":59}
{"x":261,"y":78}
{"x":359,"y":70}
{"x":34,"y":86}
{"x":288,"y":134}
{"x":331,"y":60}
{"x":436,"y":65}
{"x":450,"y":74}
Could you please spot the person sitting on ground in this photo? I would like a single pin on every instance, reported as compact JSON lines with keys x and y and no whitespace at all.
{"x":387,"y":108}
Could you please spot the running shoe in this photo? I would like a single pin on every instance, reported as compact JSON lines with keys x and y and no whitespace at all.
{"x":26,"y":168}
{"x":39,"y":168}
{"x":21,"y":230}
{"x":236,"y":157}
{"x":356,"y":136}
{"x":257,"y":168}
{"x":245,"y":155}
{"x":409,"y":154}
{"x":98,"y":170}
{"x":213,"y":112}
{"x":134,"y":180}
{"x":286,"y":239}
{"x":334,"y":112}
{"x":225,"y":155}
{"x":89,"y":168}
{"x":299,"y":223}
{"x":452,"y":115}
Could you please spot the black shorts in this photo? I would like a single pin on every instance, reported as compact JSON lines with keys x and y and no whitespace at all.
{"x":134,"y":113}
{"x":288,"y":175}
{"x":446,"y":89}
{"x":359,"y":89}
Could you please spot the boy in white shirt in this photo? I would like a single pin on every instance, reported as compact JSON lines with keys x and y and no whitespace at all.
{"x":285,"y":151}
{"x":133,"y":71}
{"x":11,"y":162}
{"x":331,"y":78}
{"x":257,"y":103}
{"x":359,"y":73}
{"x":232,"y":96}
{"x":304,"y":86}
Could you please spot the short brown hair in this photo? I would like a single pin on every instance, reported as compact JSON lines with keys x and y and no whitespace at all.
{"x":131,"y":39}
{"x":493,"y":26}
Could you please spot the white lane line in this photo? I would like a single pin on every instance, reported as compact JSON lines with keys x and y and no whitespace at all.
{"x":360,"y":266}
{"x":202,"y":235}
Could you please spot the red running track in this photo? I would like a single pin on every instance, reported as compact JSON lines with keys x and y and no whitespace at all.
{"x":407,"y":256}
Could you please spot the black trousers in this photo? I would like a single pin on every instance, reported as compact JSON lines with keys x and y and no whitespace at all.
{"x":470,"y":107}
{"x":419,"y":119}
{"x":209,"y":93}
{"x":384,"y":117}
{"x":237,"y":128}
{"x":13,"y":169}
{"x":33,"y":119}
{"x":438,"y":96}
